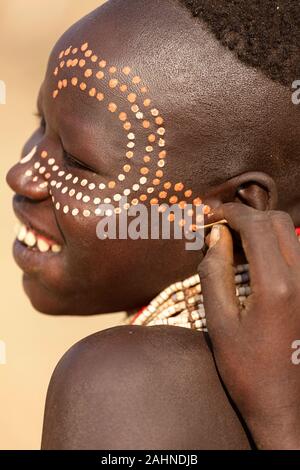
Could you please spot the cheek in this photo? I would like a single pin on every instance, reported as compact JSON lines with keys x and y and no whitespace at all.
{"x":81,"y":202}
{"x":121,"y":93}
{"x":142,"y":176}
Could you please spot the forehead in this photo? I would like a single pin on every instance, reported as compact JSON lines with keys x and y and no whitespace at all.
{"x":123,"y":57}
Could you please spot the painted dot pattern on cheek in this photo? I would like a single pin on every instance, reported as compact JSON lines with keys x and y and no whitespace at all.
{"x":112,"y":107}
{"x":86,"y":64}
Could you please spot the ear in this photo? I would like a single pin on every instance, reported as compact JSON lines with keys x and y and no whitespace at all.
{"x":255,"y":189}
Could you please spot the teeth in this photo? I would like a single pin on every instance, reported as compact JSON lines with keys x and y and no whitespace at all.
{"x":22,"y":233}
{"x":56,"y":248}
{"x":30,"y":239}
{"x":42,"y":245}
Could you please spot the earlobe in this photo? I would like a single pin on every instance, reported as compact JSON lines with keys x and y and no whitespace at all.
{"x":257,"y":190}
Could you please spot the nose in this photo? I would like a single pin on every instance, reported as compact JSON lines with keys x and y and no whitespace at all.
{"x":28,"y":177}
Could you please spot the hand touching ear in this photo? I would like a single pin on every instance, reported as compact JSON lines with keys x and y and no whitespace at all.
{"x":253,"y":343}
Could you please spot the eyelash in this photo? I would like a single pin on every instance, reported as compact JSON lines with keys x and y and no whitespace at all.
{"x":72,"y":161}
{"x":69,"y":159}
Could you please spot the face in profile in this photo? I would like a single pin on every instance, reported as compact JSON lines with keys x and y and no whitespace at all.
{"x":102,"y":140}
{"x":126,"y":114}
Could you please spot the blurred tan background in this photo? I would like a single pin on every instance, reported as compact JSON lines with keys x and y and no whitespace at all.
{"x":34,"y":342}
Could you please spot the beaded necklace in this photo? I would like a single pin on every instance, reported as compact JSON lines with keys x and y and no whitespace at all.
{"x":181,"y":304}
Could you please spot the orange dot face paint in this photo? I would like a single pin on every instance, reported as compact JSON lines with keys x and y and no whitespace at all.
{"x":122,"y":116}
{"x":178,"y":187}
{"x":122,"y":93}
{"x":136,"y":80}
{"x":88,"y":73}
{"x":100,"y":74}
{"x":112,"y":107}
{"x":127,"y":126}
{"x":113,"y":83}
{"x":131,"y":97}
{"x":126,"y":70}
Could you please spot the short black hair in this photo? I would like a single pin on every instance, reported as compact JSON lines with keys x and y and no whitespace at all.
{"x":262,"y":33}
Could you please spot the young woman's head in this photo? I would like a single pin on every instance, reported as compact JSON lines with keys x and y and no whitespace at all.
{"x":142,"y":100}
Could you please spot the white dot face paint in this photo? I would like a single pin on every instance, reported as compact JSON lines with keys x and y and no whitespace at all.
{"x":29,"y":156}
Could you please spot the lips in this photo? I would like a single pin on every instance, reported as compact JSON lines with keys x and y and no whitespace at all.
{"x":35,"y":249}
{"x":32,"y":223}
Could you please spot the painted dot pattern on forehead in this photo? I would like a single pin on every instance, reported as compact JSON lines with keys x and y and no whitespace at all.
{"x":138,"y":113}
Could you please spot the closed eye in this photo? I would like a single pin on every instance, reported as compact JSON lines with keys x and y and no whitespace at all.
{"x":72,"y":161}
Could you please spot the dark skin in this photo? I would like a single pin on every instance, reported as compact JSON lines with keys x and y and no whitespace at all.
{"x":233,"y":135}
{"x":133,"y":387}
{"x":252,"y":344}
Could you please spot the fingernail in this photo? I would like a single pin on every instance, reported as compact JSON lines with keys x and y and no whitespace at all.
{"x":215,"y":235}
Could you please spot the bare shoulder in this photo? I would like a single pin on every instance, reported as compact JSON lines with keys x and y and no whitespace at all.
{"x":135,"y":387}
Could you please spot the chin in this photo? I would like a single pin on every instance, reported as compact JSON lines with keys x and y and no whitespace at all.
{"x":43,"y":300}
{"x":48,"y":302}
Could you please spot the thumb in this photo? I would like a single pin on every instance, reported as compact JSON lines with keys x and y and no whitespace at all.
{"x":217,"y":277}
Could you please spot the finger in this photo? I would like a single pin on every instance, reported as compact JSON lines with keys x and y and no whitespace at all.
{"x":287,"y":238}
{"x":259,"y":240}
{"x":217,"y":277}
